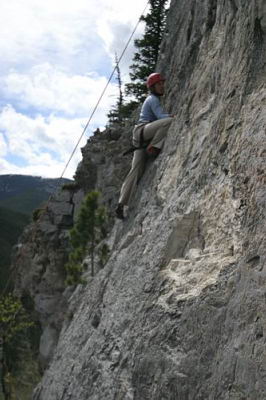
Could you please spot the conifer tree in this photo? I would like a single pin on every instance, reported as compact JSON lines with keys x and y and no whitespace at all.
{"x":87,"y":232}
{"x":14,"y":321}
{"x":115,"y":115}
{"x":121,"y":110}
{"x":148,"y":46}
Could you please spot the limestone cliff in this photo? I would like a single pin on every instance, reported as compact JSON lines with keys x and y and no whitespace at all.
{"x":178,"y":312}
{"x":40,"y":257}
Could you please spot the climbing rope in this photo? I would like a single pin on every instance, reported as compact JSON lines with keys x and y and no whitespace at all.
{"x":87,"y":124}
{"x":102,"y":94}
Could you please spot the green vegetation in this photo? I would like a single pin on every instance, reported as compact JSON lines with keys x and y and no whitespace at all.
{"x":14,"y":349}
{"x":25,"y":202}
{"x":72,"y":186}
{"x":144,"y":63}
{"x":103,"y":254}
{"x":87,"y":232}
{"x":13,"y":318}
{"x":27,"y":376}
{"x":24,"y":193}
{"x":11,"y":226}
{"x":37,"y":214}
{"x":115,"y":115}
{"x":145,"y":59}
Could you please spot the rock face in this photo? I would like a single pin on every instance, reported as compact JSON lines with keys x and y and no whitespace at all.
{"x":38,"y":265}
{"x":39,"y":258}
{"x":178,"y":312}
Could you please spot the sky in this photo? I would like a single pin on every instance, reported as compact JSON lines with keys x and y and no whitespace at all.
{"x":56,"y":58}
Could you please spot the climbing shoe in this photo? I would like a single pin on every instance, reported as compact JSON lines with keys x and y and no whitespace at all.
{"x":152,"y":151}
{"x":120,"y":211}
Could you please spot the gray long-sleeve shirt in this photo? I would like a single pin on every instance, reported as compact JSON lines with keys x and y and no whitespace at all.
{"x":151,"y":110}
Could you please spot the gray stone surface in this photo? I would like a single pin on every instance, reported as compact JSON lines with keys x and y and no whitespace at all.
{"x":40,"y":257}
{"x":38,"y":268}
{"x":178,"y":312}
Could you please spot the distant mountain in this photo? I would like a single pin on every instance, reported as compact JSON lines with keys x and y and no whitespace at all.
{"x":24,"y":193}
{"x":11,"y":227}
{"x":19,"y":196}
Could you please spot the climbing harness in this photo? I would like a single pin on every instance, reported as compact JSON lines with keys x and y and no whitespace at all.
{"x":142,"y":143}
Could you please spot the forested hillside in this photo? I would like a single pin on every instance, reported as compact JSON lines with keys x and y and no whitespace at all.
{"x":20,"y":195}
{"x":11,"y":226}
{"x":24,"y":193}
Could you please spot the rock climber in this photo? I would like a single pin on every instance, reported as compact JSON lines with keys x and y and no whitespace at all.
{"x":148,"y":138}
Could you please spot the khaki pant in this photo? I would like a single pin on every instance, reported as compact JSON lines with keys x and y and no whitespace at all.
{"x":155,"y":132}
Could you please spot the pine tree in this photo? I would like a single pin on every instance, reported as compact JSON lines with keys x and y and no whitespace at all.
{"x":148,"y":48}
{"x":115,"y":115}
{"x":14,"y":321}
{"x":121,"y":111}
{"x":87,"y":232}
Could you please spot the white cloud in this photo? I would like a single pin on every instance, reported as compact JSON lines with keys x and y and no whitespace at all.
{"x":42,"y":143}
{"x":56,"y":57}
{"x":53,"y":170}
{"x":3,"y":146}
{"x":67,"y":32}
{"x":46,"y":87}
{"x":115,"y":28}
{"x":33,"y":29}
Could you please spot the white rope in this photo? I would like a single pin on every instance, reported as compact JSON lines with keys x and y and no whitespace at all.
{"x":103,"y":92}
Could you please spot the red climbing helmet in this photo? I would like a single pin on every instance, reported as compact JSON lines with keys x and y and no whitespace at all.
{"x":154,"y":78}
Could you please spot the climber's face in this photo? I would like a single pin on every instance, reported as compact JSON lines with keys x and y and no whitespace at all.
{"x":159,"y":88}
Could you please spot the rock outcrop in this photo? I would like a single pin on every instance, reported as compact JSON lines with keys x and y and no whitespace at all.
{"x":40,"y":257}
{"x":178,"y":312}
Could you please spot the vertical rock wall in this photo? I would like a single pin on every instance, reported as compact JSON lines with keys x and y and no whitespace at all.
{"x":178,"y":312}
{"x":39,"y":259}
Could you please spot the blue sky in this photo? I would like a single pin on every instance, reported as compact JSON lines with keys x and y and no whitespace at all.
{"x":56,"y":57}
